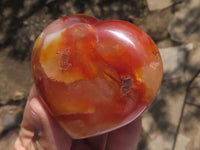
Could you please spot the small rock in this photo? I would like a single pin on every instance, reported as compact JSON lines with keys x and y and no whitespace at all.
{"x":156,"y":24}
{"x":21,"y":13}
{"x":174,"y":60}
{"x":194,"y":58}
{"x":97,"y":11}
{"x":49,"y":1}
{"x":9,"y":117}
{"x":7,"y":12}
{"x":159,"y":4}
{"x":44,"y":21}
{"x":32,"y":38}
{"x":10,"y":120}
{"x":2,"y":38}
{"x":68,"y":4}
{"x":18,"y":96}
{"x":148,"y":125}
{"x":160,"y":143}
{"x":193,"y":63}
{"x":194,"y":95}
{"x":182,"y":142}
{"x":165,"y":43}
{"x":115,"y":6}
{"x":185,"y":25}
{"x":25,"y":22}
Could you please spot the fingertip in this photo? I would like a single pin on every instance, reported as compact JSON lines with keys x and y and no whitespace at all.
{"x":35,"y":105}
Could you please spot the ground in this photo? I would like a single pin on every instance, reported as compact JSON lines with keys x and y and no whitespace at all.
{"x":172,"y":122}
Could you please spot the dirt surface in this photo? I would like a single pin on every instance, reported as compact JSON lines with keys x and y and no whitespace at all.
{"x":21,"y":21}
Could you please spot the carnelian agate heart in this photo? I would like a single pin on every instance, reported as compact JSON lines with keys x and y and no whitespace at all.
{"x":95,"y":76}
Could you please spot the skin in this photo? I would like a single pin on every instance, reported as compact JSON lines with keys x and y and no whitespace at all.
{"x":39,"y":131}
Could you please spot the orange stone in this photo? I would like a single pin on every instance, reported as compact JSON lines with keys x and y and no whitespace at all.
{"x":95,"y":76}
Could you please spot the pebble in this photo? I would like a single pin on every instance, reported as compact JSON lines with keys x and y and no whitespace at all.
{"x":159,"y":4}
{"x":185,"y":24}
{"x":174,"y":60}
{"x":9,"y":117}
{"x":18,"y":95}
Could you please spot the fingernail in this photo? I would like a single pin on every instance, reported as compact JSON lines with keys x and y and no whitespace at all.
{"x":36,"y":119}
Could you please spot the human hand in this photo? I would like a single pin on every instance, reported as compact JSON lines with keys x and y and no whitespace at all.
{"x":39,"y":131}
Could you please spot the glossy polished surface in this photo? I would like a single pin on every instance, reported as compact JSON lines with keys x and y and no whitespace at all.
{"x":95,"y":76}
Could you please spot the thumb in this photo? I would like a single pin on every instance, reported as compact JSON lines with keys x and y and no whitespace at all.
{"x":40,"y":131}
